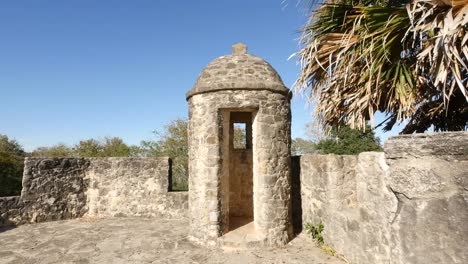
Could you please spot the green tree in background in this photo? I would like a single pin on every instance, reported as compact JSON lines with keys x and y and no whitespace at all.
{"x":240,"y":136}
{"x":88,"y":148}
{"x":171,"y":142}
{"x":347,"y":141}
{"x":56,"y":151}
{"x":108,"y":147}
{"x":115,"y":147}
{"x":302,"y":146}
{"x":11,"y":166}
{"x":314,"y":134}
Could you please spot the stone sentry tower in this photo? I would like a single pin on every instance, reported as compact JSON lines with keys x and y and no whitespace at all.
{"x":245,"y":187}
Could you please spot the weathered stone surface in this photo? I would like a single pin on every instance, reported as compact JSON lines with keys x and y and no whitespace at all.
{"x":132,"y":187}
{"x":136,"y":240}
{"x":54,"y":189}
{"x":347,"y":194}
{"x":241,"y":183}
{"x":10,"y":210}
{"x":239,"y":71}
{"x":239,"y":49}
{"x":409,"y":205}
{"x":64,"y":188}
{"x":428,"y":175}
{"x":444,"y":145}
{"x":209,"y":185}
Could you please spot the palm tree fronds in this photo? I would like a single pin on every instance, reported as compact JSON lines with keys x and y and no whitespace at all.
{"x":357,"y":60}
{"x":440,"y":27}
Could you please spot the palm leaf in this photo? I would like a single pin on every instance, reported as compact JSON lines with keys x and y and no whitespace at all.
{"x":357,"y":60}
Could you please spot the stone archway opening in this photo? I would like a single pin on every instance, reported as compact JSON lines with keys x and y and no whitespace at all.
{"x":237,"y":197}
{"x":240,"y":175}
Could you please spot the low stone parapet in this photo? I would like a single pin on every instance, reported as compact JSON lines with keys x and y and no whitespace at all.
{"x":406,"y":205}
{"x":66,"y":188}
{"x":132,"y":187}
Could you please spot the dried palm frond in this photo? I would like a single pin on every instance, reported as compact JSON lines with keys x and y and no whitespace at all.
{"x":357,"y":60}
{"x":440,"y":28}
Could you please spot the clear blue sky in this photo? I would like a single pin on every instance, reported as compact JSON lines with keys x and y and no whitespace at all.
{"x":78,"y":69}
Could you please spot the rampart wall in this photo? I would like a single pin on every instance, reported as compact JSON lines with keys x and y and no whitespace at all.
{"x":66,"y":188}
{"x":407,"y":205}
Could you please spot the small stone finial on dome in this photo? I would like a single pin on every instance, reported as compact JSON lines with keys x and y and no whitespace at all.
{"x":239,"y":49}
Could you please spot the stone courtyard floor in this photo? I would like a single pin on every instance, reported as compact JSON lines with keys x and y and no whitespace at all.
{"x":136,"y":240}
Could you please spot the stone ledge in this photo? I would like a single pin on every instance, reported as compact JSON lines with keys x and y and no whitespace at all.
{"x":446,"y":145}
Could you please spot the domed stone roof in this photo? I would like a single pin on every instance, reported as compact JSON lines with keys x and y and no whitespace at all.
{"x":238,"y":71}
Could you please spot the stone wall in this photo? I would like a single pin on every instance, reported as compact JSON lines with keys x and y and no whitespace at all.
{"x":53,"y":189}
{"x":241,"y":183}
{"x":347,"y":194}
{"x":429,"y":176}
{"x":64,"y":188}
{"x":407,"y":205}
{"x":132,"y":187}
{"x":10,"y":210}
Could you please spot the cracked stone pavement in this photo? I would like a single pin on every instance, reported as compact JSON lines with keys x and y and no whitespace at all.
{"x":136,"y":240}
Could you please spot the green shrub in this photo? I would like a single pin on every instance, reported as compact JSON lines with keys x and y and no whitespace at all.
{"x":11,"y":166}
{"x":315,"y":231}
